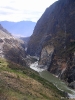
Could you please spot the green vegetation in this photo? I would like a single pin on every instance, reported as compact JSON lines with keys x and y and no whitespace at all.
{"x":22,"y":83}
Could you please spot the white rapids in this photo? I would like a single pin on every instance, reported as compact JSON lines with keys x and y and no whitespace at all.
{"x":37,"y":67}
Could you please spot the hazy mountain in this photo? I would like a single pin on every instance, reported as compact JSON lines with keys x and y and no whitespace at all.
{"x":53,"y":39}
{"x":22,"y":28}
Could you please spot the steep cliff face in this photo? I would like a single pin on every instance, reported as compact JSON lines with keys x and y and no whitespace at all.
{"x":56,"y":24}
{"x":39,"y":35}
{"x":11,"y":48}
{"x":56,"y":28}
{"x":46,"y":55}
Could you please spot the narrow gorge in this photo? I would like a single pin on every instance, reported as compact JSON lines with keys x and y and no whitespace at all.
{"x":42,"y":66}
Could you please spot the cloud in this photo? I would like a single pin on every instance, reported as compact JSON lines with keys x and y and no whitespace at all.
{"x":17,"y":10}
{"x":9,"y":8}
{"x":3,"y":13}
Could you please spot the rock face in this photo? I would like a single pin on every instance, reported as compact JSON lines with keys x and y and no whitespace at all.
{"x":72,"y":85}
{"x":55,"y":25}
{"x":56,"y":28}
{"x":11,"y":48}
{"x":46,"y":55}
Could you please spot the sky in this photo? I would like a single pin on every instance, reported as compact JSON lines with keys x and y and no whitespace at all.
{"x":19,"y":10}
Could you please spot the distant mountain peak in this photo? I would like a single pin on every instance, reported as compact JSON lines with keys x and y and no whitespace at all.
{"x":22,"y":28}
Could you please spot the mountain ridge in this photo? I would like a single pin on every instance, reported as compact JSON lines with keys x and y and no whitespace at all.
{"x":11,"y":48}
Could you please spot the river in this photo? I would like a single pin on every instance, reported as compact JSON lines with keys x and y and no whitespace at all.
{"x":51,"y":78}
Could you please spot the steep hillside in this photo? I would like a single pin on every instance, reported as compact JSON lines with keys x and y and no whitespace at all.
{"x":56,"y":29}
{"x":41,"y":32}
{"x":20,"y":83}
{"x":51,"y":27}
{"x":11,"y":48}
{"x":22,"y":28}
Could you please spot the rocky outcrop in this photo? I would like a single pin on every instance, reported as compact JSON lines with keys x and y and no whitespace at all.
{"x":56,"y":28}
{"x":72,"y":85}
{"x":11,"y":48}
{"x":46,"y":55}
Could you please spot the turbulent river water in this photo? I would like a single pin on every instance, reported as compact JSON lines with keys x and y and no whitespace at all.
{"x":51,"y":78}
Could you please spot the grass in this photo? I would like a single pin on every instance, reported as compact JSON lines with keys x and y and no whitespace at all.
{"x":22,"y":83}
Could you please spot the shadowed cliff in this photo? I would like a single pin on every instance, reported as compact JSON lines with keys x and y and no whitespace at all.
{"x":56,"y":28}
